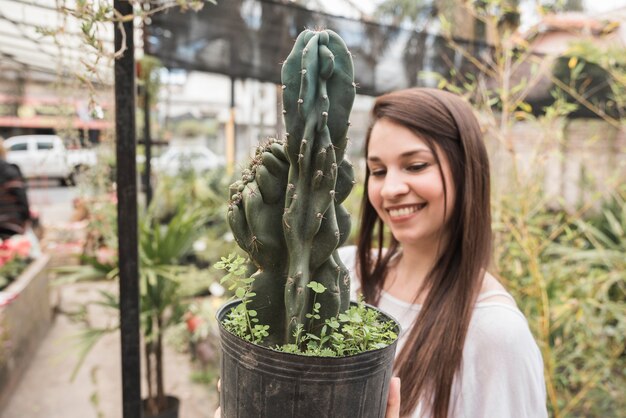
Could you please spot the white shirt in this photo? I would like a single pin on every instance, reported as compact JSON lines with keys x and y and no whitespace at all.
{"x":501,"y":374}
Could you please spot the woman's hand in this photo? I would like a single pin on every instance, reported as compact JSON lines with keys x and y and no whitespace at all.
{"x":218,"y":411}
{"x":393,"y":400}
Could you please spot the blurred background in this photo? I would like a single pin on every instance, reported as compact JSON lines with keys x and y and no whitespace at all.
{"x":546,"y":78}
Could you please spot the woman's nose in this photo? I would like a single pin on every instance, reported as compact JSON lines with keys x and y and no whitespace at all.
{"x":393,"y":186}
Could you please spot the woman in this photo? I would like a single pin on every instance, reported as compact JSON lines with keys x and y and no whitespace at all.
{"x":466,"y":350}
{"x":14,"y":209}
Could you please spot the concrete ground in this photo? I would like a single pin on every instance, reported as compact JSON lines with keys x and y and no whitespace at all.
{"x":46,"y":390}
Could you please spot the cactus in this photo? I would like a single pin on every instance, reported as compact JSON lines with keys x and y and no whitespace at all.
{"x":286,"y":210}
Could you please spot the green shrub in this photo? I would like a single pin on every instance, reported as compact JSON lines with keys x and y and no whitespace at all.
{"x":568,"y":275}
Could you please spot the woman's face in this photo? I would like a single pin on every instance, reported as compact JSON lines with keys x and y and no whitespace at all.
{"x":405,"y":185}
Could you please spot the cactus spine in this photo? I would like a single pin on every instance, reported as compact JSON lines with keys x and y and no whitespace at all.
{"x":286,"y":210}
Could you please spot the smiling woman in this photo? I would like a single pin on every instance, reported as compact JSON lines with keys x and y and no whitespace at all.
{"x":423,"y":250}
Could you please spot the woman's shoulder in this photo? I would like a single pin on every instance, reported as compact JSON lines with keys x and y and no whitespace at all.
{"x":492,"y":291}
{"x":500,"y":329}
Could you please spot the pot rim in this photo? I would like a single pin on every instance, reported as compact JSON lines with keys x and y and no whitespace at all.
{"x":227,"y":306}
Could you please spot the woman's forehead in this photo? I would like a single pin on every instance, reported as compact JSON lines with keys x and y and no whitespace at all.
{"x":390,"y":138}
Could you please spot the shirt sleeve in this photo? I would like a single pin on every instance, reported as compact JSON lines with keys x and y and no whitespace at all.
{"x":502,"y":370}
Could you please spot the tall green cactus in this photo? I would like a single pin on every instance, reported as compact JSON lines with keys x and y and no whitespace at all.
{"x":286,"y":210}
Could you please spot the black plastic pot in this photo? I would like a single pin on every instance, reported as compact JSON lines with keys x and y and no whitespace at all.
{"x":258,"y":382}
{"x":173,"y":405}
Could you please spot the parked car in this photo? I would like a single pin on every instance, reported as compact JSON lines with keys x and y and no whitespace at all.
{"x":45,"y":156}
{"x":179,"y":159}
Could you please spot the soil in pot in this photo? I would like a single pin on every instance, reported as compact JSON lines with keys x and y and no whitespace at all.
{"x":260,"y":382}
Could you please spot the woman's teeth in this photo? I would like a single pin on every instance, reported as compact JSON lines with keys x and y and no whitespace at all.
{"x":405,"y":210}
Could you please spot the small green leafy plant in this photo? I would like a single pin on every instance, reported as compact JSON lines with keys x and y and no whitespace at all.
{"x":241,"y":321}
{"x":357,"y":330}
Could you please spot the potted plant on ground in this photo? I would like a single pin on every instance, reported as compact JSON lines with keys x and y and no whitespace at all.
{"x":162,"y":249}
{"x":163,"y":284}
{"x":286,"y":214}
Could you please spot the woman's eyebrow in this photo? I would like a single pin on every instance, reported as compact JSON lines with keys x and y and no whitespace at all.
{"x":406,"y":154}
{"x":411,"y":153}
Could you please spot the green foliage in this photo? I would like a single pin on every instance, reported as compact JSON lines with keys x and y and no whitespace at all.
{"x":161,"y":248}
{"x":587,"y":80}
{"x":193,"y":128}
{"x":354,"y":331}
{"x":608,"y":227}
{"x":11,"y":270}
{"x":570,"y":280}
{"x":206,"y":192}
{"x":596,"y":74}
{"x":242,"y":320}
{"x":555,"y":6}
{"x":167,"y":244}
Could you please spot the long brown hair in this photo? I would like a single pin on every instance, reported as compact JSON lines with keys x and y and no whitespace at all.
{"x":433,"y":350}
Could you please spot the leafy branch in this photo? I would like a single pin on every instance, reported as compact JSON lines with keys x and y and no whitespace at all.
{"x":241,"y":321}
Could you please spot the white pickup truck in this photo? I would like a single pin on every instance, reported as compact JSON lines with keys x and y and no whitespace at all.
{"x":45,"y":156}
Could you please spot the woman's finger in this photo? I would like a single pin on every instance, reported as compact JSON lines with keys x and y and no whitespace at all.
{"x":218,"y":411}
{"x":393,"y":400}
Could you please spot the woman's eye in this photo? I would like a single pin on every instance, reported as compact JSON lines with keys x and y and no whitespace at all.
{"x":377,"y":172}
{"x":417,"y":167}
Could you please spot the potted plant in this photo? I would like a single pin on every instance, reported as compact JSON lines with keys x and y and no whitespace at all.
{"x":286,"y":214}
{"x":161,"y":250}
{"x":162,"y":297}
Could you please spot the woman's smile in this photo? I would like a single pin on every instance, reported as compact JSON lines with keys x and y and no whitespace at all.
{"x":402,"y":213}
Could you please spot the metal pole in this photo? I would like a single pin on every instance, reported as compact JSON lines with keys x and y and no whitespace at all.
{"x":127,"y":213}
{"x":147,"y":136}
{"x":147,"y":143}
